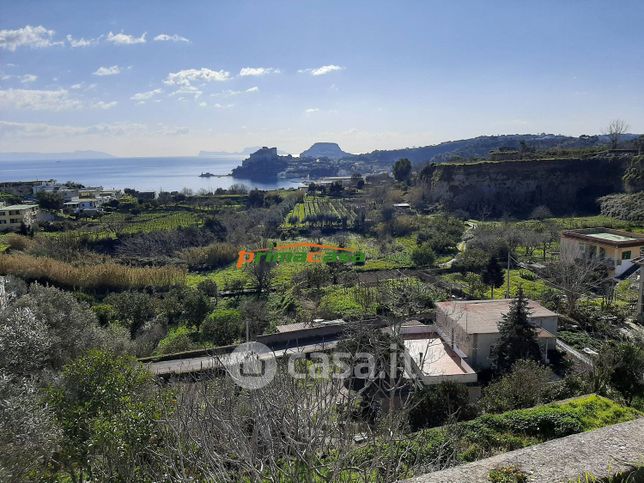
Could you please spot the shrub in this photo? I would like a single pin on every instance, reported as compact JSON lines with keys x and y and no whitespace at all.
{"x":507,"y":474}
{"x":179,"y":339}
{"x":434,"y":405}
{"x":423,"y":256}
{"x":18,"y":242}
{"x":222,"y":327}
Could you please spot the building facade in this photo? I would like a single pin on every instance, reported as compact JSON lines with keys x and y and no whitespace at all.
{"x":12,"y":217}
{"x":472,"y":327}
{"x":616,"y":248}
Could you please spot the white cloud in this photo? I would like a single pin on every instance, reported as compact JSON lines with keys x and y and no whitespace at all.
{"x":103,"y":71}
{"x":47,"y":100}
{"x":38,"y":100}
{"x":146,"y":96}
{"x":311,"y":110}
{"x":257,"y":71}
{"x":82,"y":42}
{"x":170,"y":38}
{"x":185,"y":77}
{"x":104,"y":105}
{"x":118,"y":129}
{"x":231,"y":93}
{"x":27,"y":36}
{"x":203,"y":104}
{"x":28,"y":78}
{"x":25,"y":78}
{"x":125,"y":39}
{"x":323,"y":70}
{"x":187,"y":91}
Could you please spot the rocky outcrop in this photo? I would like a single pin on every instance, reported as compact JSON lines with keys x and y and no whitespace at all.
{"x":264,"y":164}
{"x":324,"y":150}
{"x":566,"y":186}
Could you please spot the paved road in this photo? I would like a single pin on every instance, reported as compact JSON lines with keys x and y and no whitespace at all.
{"x":204,"y":363}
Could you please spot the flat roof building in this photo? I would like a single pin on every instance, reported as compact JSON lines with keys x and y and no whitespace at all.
{"x":472,"y":326}
{"x":617,"y":248}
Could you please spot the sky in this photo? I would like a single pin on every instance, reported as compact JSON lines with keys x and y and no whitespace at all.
{"x":165,"y":78}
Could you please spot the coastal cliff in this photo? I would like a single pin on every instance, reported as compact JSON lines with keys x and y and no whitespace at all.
{"x":565,"y":186}
{"x":264,"y":164}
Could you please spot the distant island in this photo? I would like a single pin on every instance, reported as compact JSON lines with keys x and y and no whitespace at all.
{"x":32,"y":156}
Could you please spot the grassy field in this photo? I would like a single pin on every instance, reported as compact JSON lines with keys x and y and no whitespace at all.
{"x":533,"y":286}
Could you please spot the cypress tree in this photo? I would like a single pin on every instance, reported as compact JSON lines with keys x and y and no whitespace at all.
{"x":517,"y":337}
{"x":492,"y":274}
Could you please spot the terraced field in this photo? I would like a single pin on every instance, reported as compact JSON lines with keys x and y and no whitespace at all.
{"x":316,"y":211}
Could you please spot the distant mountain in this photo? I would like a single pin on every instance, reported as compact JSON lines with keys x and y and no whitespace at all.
{"x":325,"y":150}
{"x":26,"y":156}
{"x":480,"y":147}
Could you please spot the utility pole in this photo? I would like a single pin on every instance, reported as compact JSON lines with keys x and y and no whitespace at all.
{"x":507,"y":290}
{"x":640,"y":302}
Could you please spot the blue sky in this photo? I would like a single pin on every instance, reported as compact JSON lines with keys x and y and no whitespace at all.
{"x":173,"y":78}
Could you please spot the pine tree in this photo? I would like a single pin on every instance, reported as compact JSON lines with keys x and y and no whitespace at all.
{"x":517,"y":337}
{"x":492,"y":274}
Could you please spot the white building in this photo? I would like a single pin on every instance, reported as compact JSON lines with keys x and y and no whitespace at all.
{"x":12,"y":217}
{"x":472,"y":326}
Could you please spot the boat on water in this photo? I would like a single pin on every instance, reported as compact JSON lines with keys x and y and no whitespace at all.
{"x":206,"y":175}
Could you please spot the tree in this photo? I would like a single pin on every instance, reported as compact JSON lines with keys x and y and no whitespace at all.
{"x":492,"y":275}
{"x":423,"y":256}
{"x":29,"y":435}
{"x":107,"y":407}
{"x":517,"y":336}
{"x":575,"y":275}
{"x":50,"y":200}
{"x":541,"y":212}
{"x":222,"y":327}
{"x":133,"y":309}
{"x":24,"y":342}
{"x":615,"y":130}
{"x":435,"y":405}
{"x":620,"y":366}
{"x":402,"y":170}
{"x":525,"y":386}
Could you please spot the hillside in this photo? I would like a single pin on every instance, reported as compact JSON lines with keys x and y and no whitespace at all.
{"x":480,"y":147}
{"x":325,"y":150}
{"x":565,"y":186}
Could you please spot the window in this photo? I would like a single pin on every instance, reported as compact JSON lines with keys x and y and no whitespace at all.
{"x":3,"y":222}
{"x":626,"y":255}
{"x":14,"y":220}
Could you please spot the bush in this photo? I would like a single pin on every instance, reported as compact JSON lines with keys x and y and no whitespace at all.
{"x":179,"y":339}
{"x":435,"y":405}
{"x":222,"y":327}
{"x":525,"y":386}
{"x":423,"y":256}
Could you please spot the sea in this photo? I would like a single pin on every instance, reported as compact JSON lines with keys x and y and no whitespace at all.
{"x":143,"y":174}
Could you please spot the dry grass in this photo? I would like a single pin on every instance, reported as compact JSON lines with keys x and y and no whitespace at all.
{"x":99,"y":276}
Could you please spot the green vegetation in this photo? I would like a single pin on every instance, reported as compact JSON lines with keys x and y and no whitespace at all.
{"x":319,"y":212}
{"x":496,"y":433}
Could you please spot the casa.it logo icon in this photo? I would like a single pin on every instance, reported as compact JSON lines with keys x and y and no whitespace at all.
{"x":295,"y":253}
{"x":252,"y":365}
